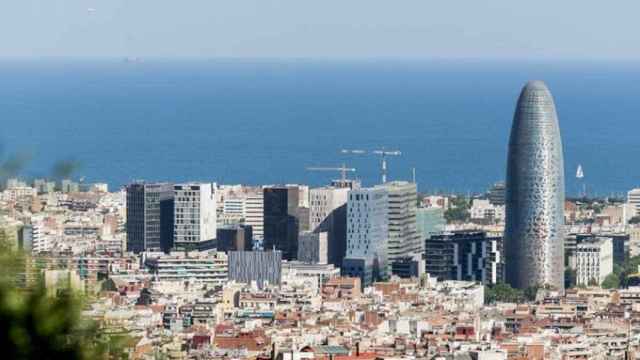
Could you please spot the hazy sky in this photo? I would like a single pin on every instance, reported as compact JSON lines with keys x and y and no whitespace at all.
{"x":586,"y":29}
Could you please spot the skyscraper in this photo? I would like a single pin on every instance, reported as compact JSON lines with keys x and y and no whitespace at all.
{"x":149,"y":217}
{"x":195,"y":222}
{"x":535,"y":193}
{"x":328,"y":213}
{"x":281,"y":220}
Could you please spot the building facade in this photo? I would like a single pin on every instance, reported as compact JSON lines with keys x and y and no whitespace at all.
{"x":367,"y":235}
{"x":534,"y":229}
{"x":149,"y":217}
{"x":195,"y":217}
{"x":328,"y":213}
{"x":594,"y":261}
{"x":404,"y":239}
{"x":281,"y":220}
{"x":261,"y":267}
{"x":313,"y":247}
{"x":201,"y":267}
{"x":465,"y":255}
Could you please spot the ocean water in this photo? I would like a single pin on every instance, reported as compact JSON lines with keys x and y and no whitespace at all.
{"x":262,"y":122}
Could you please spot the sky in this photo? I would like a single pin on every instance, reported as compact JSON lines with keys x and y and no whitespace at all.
{"x":331,"y":29}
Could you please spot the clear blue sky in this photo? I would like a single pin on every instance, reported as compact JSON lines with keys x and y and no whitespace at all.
{"x":546,"y":29}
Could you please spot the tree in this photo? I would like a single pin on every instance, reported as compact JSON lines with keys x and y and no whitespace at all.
{"x":612,"y":281}
{"x":35,"y":326}
{"x":502,"y":292}
{"x":458,"y":211}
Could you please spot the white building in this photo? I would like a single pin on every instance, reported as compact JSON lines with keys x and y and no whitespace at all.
{"x":633,"y":202}
{"x":327,"y":213}
{"x":195,"y":214}
{"x":201,"y":267}
{"x":404,"y":239}
{"x":594,"y":261}
{"x":313,"y":247}
{"x":254,"y":214}
{"x":367,"y":234}
{"x":483,"y":209}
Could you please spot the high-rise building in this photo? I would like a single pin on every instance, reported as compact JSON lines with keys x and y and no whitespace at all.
{"x":633,"y":203}
{"x":367,"y":235}
{"x":254,"y":214}
{"x":404,"y":239}
{"x":234,"y":238}
{"x":496,"y":193}
{"x":281,"y":220}
{"x":465,"y":255}
{"x":313,"y":247}
{"x":194,"y":225}
{"x":534,"y":230}
{"x":149,"y":217}
{"x":328,"y":213}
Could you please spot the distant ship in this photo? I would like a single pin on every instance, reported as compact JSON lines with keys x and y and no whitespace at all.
{"x":579,"y":172}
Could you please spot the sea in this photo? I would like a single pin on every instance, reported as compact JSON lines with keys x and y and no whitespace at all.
{"x":266,"y":121}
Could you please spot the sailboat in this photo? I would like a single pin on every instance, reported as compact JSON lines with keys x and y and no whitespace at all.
{"x":579,"y":172}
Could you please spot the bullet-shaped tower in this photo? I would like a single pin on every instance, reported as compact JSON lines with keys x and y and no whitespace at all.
{"x":534,"y":229}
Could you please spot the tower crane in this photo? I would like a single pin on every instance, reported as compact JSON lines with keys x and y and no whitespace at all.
{"x":382,"y":153}
{"x":343,"y":170}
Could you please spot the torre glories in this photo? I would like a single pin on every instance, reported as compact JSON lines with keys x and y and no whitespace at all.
{"x":534,"y":229}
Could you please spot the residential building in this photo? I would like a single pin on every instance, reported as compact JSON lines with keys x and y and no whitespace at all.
{"x":465,"y":255}
{"x":594,"y":261}
{"x":209,"y":268}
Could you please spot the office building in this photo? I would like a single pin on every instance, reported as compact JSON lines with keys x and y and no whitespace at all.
{"x":534,"y":229}
{"x":328,"y":213}
{"x":281,"y":220}
{"x":408,"y":267}
{"x":194,"y":225}
{"x":261,"y":267}
{"x":429,"y":221}
{"x":594,"y":261}
{"x":465,"y":255}
{"x":633,"y":204}
{"x":619,"y":242}
{"x":313,"y":247}
{"x":497,"y":193}
{"x":404,"y":239}
{"x":234,"y":238}
{"x":149,"y":217}
{"x":367,"y":235}
{"x":254,"y":214}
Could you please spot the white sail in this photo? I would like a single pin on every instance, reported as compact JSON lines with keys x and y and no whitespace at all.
{"x":579,"y":172}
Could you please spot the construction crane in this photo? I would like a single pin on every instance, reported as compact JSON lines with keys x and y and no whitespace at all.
{"x":343,"y":170}
{"x":382,"y":153}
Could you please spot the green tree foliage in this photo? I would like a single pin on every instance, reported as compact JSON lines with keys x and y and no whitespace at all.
{"x":35,"y":326}
{"x":458,"y":210}
{"x":502,"y":292}
{"x":612,"y":281}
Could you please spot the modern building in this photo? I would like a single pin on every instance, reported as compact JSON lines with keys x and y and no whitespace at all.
{"x":254,"y":214}
{"x":430,"y":221}
{"x":534,"y":229}
{"x":404,"y":239}
{"x":209,"y":268}
{"x":328,"y":213}
{"x":633,"y":203}
{"x":497,"y":193}
{"x":261,"y":267}
{"x":619,"y":241}
{"x":321,"y":272}
{"x":313,"y":247}
{"x":594,"y":261}
{"x":281,"y":220}
{"x":367,"y":235}
{"x":149,"y":217}
{"x":234,"y":238}
{"x":408,"y":267}
{"x":195,"y":224}
{"x":465,"y":255}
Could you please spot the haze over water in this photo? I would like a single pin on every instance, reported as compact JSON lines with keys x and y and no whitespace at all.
{"x":261,"y":122}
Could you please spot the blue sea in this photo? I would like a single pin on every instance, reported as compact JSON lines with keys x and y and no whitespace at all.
{"x":262,"y":122}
